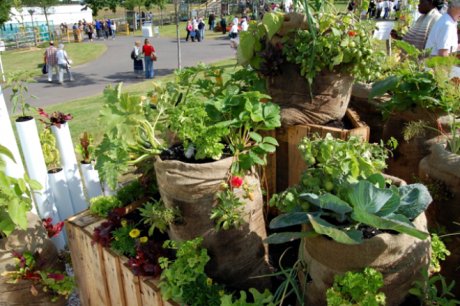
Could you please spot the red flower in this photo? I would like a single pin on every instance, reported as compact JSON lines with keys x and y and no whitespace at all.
{"x":236,"y":181}
{"x":352,"y":33}
{"x":56,"y":276}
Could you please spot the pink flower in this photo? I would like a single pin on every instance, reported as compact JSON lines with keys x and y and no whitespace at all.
{"x":236,"y":181}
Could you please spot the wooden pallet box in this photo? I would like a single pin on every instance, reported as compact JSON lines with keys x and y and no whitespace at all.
{"x":285,"y":166}
{"x":102,"y":277}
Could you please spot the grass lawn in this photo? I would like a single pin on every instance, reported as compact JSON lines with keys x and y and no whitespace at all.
{"x":32,"y":59}
{"x":86,"y":111}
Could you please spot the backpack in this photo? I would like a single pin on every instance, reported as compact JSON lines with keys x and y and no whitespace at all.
{"x":133,"y":55}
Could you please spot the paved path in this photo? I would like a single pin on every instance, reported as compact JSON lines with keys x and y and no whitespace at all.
{"x":116,"y":66}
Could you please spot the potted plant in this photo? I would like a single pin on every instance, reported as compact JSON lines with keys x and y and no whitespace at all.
{"x":91,"y":179}
{"x":57,"y":122}
{"x":309,"y":60}
{"x":20,"y":231}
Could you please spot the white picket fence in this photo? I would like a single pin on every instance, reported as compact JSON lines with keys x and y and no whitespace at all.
{"x":62,"y":194}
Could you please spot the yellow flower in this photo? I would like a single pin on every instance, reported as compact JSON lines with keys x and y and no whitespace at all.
{"x":124,"y":223}
{"x":209,"y":281}
{"x":143,"y":239}
{"x":134,"y":233}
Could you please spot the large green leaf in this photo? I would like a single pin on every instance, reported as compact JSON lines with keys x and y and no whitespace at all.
{"x":7,"y":226}
{"x":18,"y":213}
{"x":6,"y":152}
{"x":366,"y":197}
{"x":386,"y":223}
{"x":325,"y":228}
{"x":246,"y":47}
{"x":379,"y":88}
{"x":273,"y":23}
{"x":289,"y":219}
{"x":278,"y":238}
{"x":328,"y":201}
{"x":415,"y":199}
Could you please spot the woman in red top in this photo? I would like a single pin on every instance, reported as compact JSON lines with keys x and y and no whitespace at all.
{"x":148,"y":50}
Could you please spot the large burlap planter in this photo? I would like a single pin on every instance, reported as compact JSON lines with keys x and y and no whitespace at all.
{"x":33,"y":239}
{"x":237,"y":255}
{"x":331,"y":95}
{"x":400,"y":258}
{"x":408,"y":154}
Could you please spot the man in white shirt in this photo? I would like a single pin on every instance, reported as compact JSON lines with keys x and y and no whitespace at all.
{"x":244,"y":24}
{"x":443,"y":37}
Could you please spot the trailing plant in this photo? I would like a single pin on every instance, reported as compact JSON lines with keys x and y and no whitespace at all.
{"x":365,"y":203}
{"x":357,"y":288}
{"x":18,"y":82}
{"x":86,"y":148}
{"x":50,"y":151}
{"x":156,"y":216}
{"x":428,"y":293}
{"x":332,"y":163}
{"x":102,"y":205}
{"x":184,"y":279}
{"x":56,"y":283}
{"x":15,"y":197}
{"x":55,"y":118}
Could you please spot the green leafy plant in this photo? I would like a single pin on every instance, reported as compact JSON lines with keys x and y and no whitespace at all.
{"x":15,"y":197}
{"x":258,"y":299}
{"x":124,"y":239}
{"x":331,"y":163}
{"x":157,"y":216}
{"x":428,"y":293}
{"x":368,"y":202}
{"x":227,"y":213}
{"x":184,"y":279}
{"x":18,"y":82}
{"x":86,"y":148}
{"x":131,"y":192}
{"x":50,"y":151}
{"x":56,"y":283}
{"x":102,"y":205}
{"x":357,"y":288}
{"x":438,"y":253}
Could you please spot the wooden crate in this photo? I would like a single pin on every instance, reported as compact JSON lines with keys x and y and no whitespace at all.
{"x":285,"y":167}
{"x":101,"y":275}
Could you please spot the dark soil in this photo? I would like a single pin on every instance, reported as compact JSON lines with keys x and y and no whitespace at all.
{"x":177,"y":152}
{"x":369,"y":232}
{"x":345,"y":124}
{"x":55,"y":170}
{"x":24,"y":119}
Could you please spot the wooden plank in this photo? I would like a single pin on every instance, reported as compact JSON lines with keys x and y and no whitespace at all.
{"x":114,"y":278}
{"x":281,"y":159}
{"x":150,"y":292}
{"x":269,"y":172}
{"x":296,"y":164}
{"x":131,"y":286}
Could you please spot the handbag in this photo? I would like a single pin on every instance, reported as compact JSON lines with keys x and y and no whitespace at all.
{"x":153,"y":56}
{"x":44,"y":69}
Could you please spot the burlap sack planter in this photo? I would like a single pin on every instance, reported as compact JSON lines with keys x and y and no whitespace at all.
{"x":237,"y":255}
{"x":331,"y":95}
{"x":33,"y":239}
{"x":408,"y":155}
{"x":400,"y":258}
{"x":444,"y":166}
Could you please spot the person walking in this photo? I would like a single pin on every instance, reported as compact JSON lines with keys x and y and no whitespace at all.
{"x":63,"y":62}
{"x":136,"y":56}
{"x":113,"y":27}
{"x":189,"y":29}
{"x":50,"y":60}
{"x":90,"y":31}
{"x":212,"y":21}
{"x":98,"y":29}
{"x":149,"y":56}
{"x":201,"y":28}
{"x":223,"y":25}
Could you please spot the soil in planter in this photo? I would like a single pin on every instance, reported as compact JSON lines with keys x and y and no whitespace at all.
{"x":24,"y":119}
{"x":177,"y":152}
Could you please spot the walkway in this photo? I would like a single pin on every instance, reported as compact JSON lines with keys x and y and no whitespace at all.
{"x":116,"y":66}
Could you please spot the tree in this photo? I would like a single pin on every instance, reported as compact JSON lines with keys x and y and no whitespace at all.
{"x":96,"y":5}
{"x":5,"y":7}
{"x":45,"y":5}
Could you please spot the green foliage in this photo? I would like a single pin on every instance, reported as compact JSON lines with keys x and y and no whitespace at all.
{"x":332,"y":163}
{"x":15,"y":197}
{"x":103,"y":205}
{"x":50,"y":151}
{"x":184,"y":279}
{"x":5,"y":7}
{"x":123,"y":241}
{"x":357,"y":288}
{"x":428,"y":293}
{"x":63,"y":287}
{"x":258,"y":299}
{"x":131,"y":192}
{"x":157,"y":216}
{"x":368,"y":202}
{"x":227,"y":213}
{"x":438,"y":253}
{"x":18,"y":82}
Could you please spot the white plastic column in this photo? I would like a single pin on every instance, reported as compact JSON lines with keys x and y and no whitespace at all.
{"x":69,"y":163}
{"x":60,"y":191}
{"x":91,"y":180}
{"x":35,"y":163}
{"x":7,"y":139}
